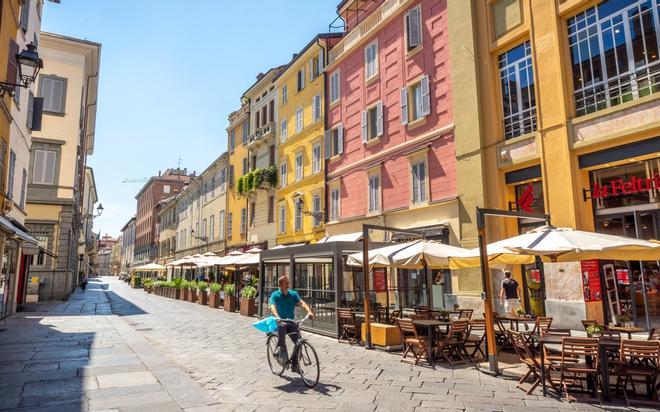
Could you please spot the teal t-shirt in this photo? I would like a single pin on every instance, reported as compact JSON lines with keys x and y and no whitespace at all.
{"x":285,"y":304}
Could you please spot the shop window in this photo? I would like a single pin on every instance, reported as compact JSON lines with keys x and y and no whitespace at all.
{"x":626,"y":185}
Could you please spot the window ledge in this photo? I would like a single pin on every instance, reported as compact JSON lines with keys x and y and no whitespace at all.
{"x":417,"y":123}
{"x":374,"y":214}
{"x":372,"y":79}
{"x":373,"y":141}
{"x":335,"y":103}
{"x":412,"y":52}
{"x":418,"y":205}
{"x":335,"y":158}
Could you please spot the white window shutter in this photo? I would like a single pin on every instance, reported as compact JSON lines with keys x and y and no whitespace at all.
{"x":30,"y":110}
{"x":327,"y":143}
{"x":415,"y":186}
{"x":302,"y":78}
{"x":426,"y":96}
{"x":379,"y":118}
{"x":340,"y":139}
{"x":364,"y":126}
{"x":404,"y":105}
{"x":57,"y":96}
{"x":49,"y":168}
{"x":321,"y":62}
{"x":311,"y":69}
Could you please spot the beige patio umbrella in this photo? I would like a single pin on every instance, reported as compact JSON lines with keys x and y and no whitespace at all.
{"x":410,"y":255}
{"x":497,"y":254}
{"x":569,"y":245}
{"x":207,"y":254}
{"x":149,"y":267}
{"x":230,"y":258}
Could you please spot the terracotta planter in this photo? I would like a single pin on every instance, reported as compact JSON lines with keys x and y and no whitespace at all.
{"x":177,"y":294}
{"x":184,"y":294}
{"x":230,"y":303}
{"x":202,"y":297}
{"x":214,"y":300}
{"x":247,"y":307}
{"x":192,"y":295}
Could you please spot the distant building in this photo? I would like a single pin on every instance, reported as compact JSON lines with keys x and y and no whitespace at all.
{"x":156,"y":189}
{"x":166,"y":224}
{"x":104,"y":257}
{"x":127,"y":245}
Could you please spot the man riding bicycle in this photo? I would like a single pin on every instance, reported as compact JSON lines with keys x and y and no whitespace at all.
{"x":282,"y":303}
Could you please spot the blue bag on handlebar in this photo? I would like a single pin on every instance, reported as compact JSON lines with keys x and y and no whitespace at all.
{"x":266,"y":325}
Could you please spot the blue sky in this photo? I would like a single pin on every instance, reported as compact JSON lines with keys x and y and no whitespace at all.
{"x":171,"y":72}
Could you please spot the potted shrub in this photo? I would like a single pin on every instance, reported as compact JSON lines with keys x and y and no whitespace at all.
{"x":202,"y":295}
{"x":247,"y":300}
{"x":192,"y":292}
{"x":230,"y":299}
{"x":214,"y":295}
{"x":594,"y":331}
{"x":184,"y":290}
{"x":520,"y":312}
{"x":176,"y":286}
{"x":136,"y":282}
{"x":626,"y":321}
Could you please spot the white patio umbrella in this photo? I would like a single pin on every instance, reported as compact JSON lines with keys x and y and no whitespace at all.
{"x":207,"y":254}
{"x":149,"y":267}
{"x":410,"y":255}
{"x":230,"y":258}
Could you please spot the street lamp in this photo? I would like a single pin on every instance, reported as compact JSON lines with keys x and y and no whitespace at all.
{"x":300,"y":203}
{"x":99,"y":209}
{"x":29,"y":63}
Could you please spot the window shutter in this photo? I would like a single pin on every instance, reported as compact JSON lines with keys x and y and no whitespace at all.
{"x":321,"y":63}
{"x":57,"y":96}
{"x":379,"y":118}
{"x":23,"y":187}
{"x":38,"y":171}
{"x":302,"y":72}
{"x":25,"y":14}
{"x":426,"y":96}
{"x":413,"y":28}
{"x":311,"y":70}
{"x":415,"y":185}
{"x":10,"y":178}
{"x":404,"y":105}
{"x":327,"y":143}
{"x":30,"y":110}
{"x":12,"y":67}
{"x":37,"y":113}
{"x":364,"y":126}
{"x":340,"y":139}
{"x":49,"y":168}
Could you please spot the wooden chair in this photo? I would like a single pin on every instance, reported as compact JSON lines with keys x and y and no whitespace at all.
{"x":454,"y":342}
{"x":476,"y":338}
{"x":654,"y":334}
{"x":348,"y":325}
{"x":465,"y":314}
{"x":421,"y":315}
{"x":533,"y":363}
{"x":413,"y":342}
{"x":501,"y":335}
{"x":578,"y":363}
{"x":639,"y":359}
{"x":541,"y":325}
{"x":393,"y":317}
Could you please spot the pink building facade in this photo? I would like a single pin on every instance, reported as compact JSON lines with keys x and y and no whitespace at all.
{"x":389,"y":140}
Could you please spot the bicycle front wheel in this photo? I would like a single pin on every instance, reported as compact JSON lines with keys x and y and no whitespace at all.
{"x":308,"y":364}
{"x":271,"y":350}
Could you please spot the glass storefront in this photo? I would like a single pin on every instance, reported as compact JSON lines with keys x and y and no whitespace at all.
{"x":625,"y":200}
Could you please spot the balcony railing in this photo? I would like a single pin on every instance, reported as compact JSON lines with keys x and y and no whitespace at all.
{"x":261,"y":133}
{"x":621,"y":89}
{"x":365,"y":27}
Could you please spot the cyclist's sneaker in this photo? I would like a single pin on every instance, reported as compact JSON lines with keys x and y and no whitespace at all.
{"x":281,"y":356}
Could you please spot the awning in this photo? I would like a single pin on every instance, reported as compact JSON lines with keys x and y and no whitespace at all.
{"x":13,"y":230}
{"x":347,"y":237}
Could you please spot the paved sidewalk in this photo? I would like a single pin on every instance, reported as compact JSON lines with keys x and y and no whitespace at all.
{"x":78,"y":356}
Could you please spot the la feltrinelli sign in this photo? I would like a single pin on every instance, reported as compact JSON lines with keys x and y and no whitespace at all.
{"x":618,"y":187}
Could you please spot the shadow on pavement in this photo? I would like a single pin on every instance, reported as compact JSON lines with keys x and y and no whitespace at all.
{"x":296,"y":385}
{"x":123,"y":307}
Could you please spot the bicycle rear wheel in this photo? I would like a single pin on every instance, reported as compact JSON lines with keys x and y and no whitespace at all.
{"x":271,"y":350}
{"x":308,"y":364}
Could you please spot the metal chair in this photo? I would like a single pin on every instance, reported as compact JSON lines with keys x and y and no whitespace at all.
{"x":413,"y":342}
{"x":348,"y":325}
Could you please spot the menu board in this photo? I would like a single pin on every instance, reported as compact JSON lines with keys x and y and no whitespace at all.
{"x":379,"y":280}
{"x":591,"y":280}
{"x":622,"y":277}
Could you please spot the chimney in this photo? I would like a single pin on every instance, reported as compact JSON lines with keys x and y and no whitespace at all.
{"x":159,"y":173}
{"x":260,"y":76}
{"x":294,"y":56}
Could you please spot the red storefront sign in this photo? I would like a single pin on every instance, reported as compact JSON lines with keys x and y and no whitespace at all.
{"x":625,"y":187}
{"x":379,"y":280}
{"x":591,"y":280}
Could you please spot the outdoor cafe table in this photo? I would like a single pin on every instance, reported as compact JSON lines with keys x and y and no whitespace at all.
{"x":429,"y":324}
{"x":514,"y":320}
{"x":627,"y":330}
{"x":604,"y":344}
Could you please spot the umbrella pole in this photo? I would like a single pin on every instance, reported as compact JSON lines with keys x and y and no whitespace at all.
{"x":488,"y":294}
{"x":365,"y":270}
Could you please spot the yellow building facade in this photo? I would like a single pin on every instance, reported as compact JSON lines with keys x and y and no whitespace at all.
{"x":567,"y":113}
{"x":238,"y":133}
{"x":300,"y":131}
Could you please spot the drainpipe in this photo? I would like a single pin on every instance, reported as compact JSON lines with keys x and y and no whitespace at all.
{"x":325,"y":127}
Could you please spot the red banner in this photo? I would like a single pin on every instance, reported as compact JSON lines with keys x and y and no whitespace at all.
{"x":591,"y":280}
{"x":379,"y":280}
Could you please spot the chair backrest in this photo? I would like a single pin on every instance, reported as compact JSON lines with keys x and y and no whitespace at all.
{"x":422,"y":315}
{"x":646,"y":352}
{"x":346,"y":316}
{"x":572,"y":348}
{"x":406,"y":327}
{"x":587,"y":323}
{"x":465,"y":313}
{"x":542,"y":324}
{"x":521,"y":347}
{"x":654,"y":334}
{"x":395,"y":314}
{"x":478,"y":325}
{"x":459,"y":329}
{"x":420,"y":309}
{"x":558,"y":332}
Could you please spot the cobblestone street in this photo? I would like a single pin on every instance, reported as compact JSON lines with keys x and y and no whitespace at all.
{"x":122,"y":349}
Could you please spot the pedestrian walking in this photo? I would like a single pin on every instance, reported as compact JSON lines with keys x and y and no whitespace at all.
{"x":83,"y":283}
{"x":510,"y":294}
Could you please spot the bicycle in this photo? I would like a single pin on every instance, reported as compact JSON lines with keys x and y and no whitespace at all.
{"x":308,"y":361}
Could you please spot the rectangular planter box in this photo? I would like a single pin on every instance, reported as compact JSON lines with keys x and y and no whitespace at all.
{"x":184,"y":294}
{"x":192,"y":295}
{"x":177,"y":293}
{"x":202,"y":298}
{"x":247,"y":307}
{"x":230,"y":303}
{"x":214,"y":300}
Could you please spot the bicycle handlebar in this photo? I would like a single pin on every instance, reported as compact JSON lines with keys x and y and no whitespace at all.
{"x":297,"y":322}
